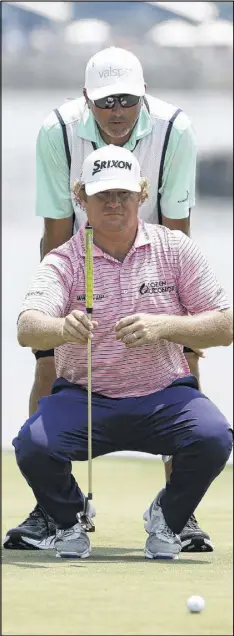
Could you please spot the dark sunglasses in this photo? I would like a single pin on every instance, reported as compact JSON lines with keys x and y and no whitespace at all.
{"x":125,"y":101}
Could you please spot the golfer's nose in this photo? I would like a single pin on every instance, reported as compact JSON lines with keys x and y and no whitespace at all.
{"x":114,"y":200}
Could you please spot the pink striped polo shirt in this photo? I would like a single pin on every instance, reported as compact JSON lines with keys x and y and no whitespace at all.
{"x":164,"y":272}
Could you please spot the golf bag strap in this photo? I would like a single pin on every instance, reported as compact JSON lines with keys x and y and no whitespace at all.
{"x":66,"y":145}
{"x":165,"y":145}
{"x":65,"y":137}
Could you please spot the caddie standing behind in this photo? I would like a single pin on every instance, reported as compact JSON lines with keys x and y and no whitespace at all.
{"x":114,"y":109}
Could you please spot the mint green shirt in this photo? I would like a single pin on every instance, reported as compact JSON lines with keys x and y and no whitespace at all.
{"x":53,"y":198}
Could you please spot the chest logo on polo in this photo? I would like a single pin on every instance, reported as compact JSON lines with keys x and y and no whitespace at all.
{"x":98,"y":165}
{"x":156,"y":287}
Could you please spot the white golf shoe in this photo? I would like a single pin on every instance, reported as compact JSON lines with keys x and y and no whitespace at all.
{"x":161,"y":543}
{"x":72,"y":543}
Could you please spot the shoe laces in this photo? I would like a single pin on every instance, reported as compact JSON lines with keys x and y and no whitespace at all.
{"x":192,"y":523}
{"x":39,"y":513}
{"x":158,"y":524}
{"x":68,"y":532}
{"x":164,"y":529}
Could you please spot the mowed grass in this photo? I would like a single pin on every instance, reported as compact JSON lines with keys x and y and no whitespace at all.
{"x":117,"y":591}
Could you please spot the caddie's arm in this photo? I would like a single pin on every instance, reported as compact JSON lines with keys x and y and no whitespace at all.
{"x":53,"y":197}
{"x":179,"y":176}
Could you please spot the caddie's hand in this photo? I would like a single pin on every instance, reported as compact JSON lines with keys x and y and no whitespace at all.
{"x":140,"y":329}
{"x":77,"y":327}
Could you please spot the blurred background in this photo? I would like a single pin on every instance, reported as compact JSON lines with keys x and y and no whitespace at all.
{"x":186,"y":49}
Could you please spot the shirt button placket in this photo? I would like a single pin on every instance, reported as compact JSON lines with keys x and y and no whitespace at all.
{"x":123,"y":282}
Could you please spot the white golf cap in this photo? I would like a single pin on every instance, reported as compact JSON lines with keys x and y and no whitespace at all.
{"x":109,"y":168}
{"x":114,"y":71}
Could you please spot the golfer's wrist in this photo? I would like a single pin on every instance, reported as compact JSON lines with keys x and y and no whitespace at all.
{"x":63,"y":332}
{"x":175,"y":328}
{"x":165,"y":328}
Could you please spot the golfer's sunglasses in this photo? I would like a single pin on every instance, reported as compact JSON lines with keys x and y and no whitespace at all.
{"x":125,"y":101}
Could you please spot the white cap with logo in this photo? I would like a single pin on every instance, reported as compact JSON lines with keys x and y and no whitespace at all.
{"x":114,"y":71}
{"x":109,"y":168}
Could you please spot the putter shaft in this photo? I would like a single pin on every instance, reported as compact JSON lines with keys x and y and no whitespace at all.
{"x":90,"y":496}
{"x":86,"y":521}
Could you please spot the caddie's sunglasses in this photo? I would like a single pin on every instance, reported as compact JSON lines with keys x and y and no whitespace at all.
{"x":125,"y":101}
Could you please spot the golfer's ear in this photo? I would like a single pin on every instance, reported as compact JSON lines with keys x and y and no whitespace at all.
{"x":139,"y":196}
{"x":83,"y":198}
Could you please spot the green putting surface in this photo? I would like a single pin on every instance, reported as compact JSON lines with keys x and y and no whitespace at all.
{"x":117,"y":591}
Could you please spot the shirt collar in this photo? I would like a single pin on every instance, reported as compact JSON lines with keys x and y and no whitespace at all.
{"x":88,"y":129}
{"x":142,"y":238}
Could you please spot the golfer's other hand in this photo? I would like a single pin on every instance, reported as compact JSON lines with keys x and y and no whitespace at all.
{"x":140,"y":329}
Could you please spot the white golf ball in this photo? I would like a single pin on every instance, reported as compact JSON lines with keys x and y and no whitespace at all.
{"x":195,"y":604}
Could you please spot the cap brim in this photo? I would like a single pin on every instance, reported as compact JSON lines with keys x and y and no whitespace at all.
{"x":116,"y":89}
{"x":112,"y":184}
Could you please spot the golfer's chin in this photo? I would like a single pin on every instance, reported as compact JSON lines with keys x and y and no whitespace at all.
{"x":115,"y":222}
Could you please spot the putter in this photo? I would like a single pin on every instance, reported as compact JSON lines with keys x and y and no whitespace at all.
{"x":84,"y":519}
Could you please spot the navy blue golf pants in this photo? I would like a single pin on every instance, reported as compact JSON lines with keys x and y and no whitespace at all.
{"x":177,"y":421}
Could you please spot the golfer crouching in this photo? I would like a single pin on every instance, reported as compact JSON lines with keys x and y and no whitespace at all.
{"x":154,"y":293}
